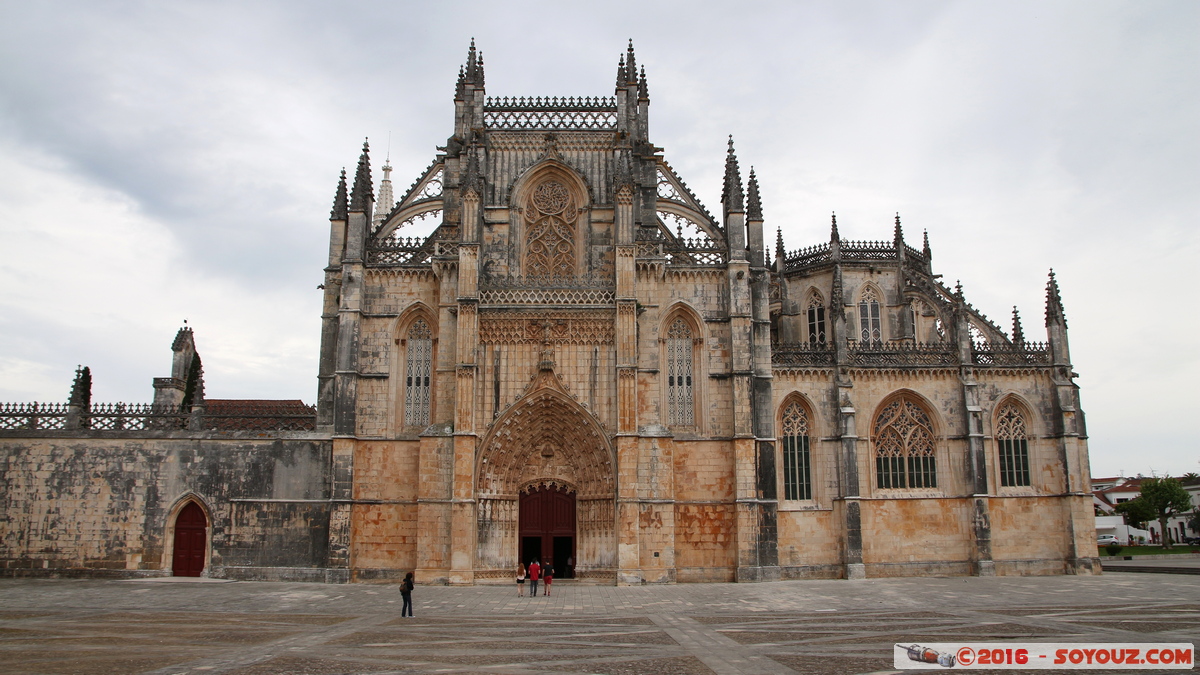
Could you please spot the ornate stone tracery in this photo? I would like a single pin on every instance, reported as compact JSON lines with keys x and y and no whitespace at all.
{"x":797,"y":462}
{"x":904,"y":446}
{"x":680,"y":401}
{"x":1012,"y":440}
{"x":550,"y":243}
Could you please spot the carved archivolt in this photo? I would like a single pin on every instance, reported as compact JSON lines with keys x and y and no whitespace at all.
{"x":546,"y":437}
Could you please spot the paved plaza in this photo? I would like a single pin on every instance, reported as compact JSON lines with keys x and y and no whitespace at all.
{"x":169,"y":626}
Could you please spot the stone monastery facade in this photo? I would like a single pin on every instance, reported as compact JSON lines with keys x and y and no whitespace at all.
{"x":558,"y":372}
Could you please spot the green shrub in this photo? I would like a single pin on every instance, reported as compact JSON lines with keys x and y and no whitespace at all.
{"x":1113,"y":549}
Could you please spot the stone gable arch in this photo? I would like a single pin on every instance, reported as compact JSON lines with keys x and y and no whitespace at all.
{"x":546,"y":438}
{"x":551,"y":201}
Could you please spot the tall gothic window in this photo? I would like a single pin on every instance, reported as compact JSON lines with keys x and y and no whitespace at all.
{"x":816,"y":320}
{"x":797,"y":467}
{"x":868,"y":317}
{"x":550,"y":243}
{"x":680,"y":407}
{"x":904,"y":452}
{"x":418,"y":362}
{"x":1014,"y":446}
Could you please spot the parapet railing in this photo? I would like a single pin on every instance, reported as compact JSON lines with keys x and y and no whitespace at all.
{"x":1020,"y":354}
{"x":550,"y":112}
{"x":146,"y":417}
{"x":787,"y":354}
{"x":901,"y":353}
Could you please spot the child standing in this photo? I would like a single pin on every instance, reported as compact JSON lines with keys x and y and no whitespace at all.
{"x":520,"y":580}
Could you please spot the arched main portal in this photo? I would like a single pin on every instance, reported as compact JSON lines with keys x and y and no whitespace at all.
{"x":546,"y":451}
{"x":191,"y":542}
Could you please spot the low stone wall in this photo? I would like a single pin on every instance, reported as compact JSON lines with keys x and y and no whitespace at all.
{"x":103,"y":503}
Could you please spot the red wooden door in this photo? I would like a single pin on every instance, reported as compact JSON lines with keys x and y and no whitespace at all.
{"x":191,"y":542}
{"x":548,"y":513}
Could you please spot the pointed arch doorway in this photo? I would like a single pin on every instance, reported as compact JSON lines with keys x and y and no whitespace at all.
{"x":546,"y":488}
{"x":547,"y":527}
{"x":191,"y":542}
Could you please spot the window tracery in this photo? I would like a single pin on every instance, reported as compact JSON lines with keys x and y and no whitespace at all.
{"x":870,"y":327}
{"x":816,"y":320}
{"x":680,"y":402}
{"x":1012,"y":439}
{"x":550,"y":243}
{"x":418,"y":362}
{"x":904,"y":448}
{"x":797,"y":464}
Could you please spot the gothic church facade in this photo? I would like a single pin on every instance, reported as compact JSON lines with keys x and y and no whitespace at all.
{"x":557,"y":371}
{"x":561,"y":371}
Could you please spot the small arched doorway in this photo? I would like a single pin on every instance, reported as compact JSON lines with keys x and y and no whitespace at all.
{"x":191,"y":541}
{"x":547,"y":527}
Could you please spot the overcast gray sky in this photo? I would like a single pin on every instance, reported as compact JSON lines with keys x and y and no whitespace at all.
{"x":163,"y":161}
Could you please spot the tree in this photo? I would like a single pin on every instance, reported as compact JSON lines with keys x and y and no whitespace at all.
{"x":1160,"y":498}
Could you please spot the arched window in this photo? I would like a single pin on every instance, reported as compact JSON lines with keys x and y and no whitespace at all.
{"x":550,"y":239}
{"x":797,"y":464}
{"x":870,"y":329}
{"x":904,"y":452}
{"x":816,"y":320}
{"x":680,"y":407}
{"x":418,"y":362}
{"x":1013,"y":442}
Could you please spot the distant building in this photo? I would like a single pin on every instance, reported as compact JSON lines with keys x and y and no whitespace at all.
{"x":582,"y":364}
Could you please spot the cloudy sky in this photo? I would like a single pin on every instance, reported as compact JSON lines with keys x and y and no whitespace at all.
{"x":171,"y":161}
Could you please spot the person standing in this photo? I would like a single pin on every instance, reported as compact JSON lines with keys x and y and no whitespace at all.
{"x":535,"y":573}
{"x":547,"y":577}
{"x":406,"y":589}
{"x":520,"y":580}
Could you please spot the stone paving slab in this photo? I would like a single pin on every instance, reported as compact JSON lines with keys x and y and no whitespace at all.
{"x":836,"y":627}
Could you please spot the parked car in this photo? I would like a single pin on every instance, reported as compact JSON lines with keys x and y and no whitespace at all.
{"x":1192,"y":541}
{"x":1106,"y":540}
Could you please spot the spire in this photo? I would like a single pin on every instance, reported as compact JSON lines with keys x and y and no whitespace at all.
{"x":621,"y":72}
{"x":362,"y":190}
{"x":958,"y":289}
{"x":631,"y":72}
{"x":479,"y":71}
{"x":386,"y":200}
{"x":1018,"y":335}
{"x":753,"y":204}
{"x":732,"y":195}
{"x":81,"y":389}
{"x":643,"y":91}
{"x":833,"y":231}
{"x":339,"y":199}
{"x":898,"y":233}
{"x":1054,"y":308}
{"x":460,"y":88}
{"x":925,"y":250}
{"x":472,"y":66}
{"x":779,"y":253}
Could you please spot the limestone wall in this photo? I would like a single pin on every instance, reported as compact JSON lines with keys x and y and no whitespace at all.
{"x":106,"y":503}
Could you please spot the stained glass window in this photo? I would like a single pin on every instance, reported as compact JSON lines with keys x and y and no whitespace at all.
{"x":797,"y":464}
{"x":680,"y":407}
{"x":904,"y":449}
{"x":418,"y":363}
{"x":1014,"y":446}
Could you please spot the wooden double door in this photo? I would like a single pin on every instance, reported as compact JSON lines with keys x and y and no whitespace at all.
{"x":547,"y":528}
